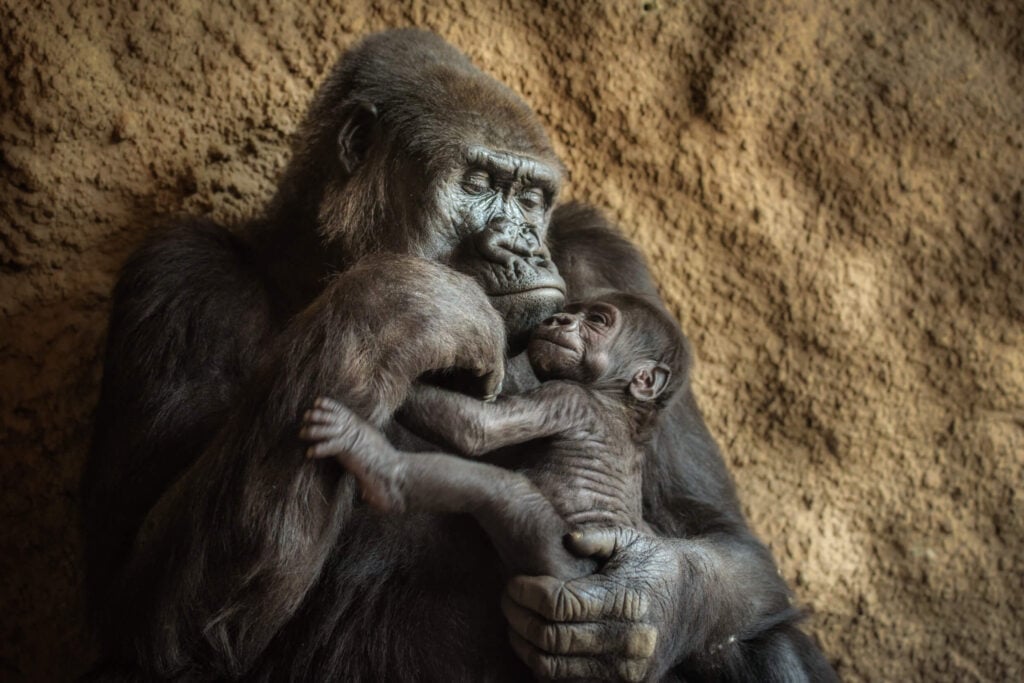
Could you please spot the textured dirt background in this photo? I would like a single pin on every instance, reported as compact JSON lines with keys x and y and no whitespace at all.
{"x":829,"y":193}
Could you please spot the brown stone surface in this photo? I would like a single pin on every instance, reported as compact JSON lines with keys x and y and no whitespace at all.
{"x":829,"y":194}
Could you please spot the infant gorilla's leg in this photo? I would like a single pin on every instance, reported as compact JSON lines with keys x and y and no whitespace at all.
{"x":524,"y":527}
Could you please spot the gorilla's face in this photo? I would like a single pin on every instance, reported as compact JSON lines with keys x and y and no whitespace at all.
{"x":578,"y":343}
{"x":492,"y":213}
{"x":439,"y":160}
{"x":483,"y":211}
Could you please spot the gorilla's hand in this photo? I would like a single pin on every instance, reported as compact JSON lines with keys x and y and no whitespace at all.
{"x":391,"y":318}
{"x":616,"y":624}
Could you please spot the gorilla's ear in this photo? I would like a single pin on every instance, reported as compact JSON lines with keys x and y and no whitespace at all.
{"x":649,"y":381}
{"x":359,"y":120}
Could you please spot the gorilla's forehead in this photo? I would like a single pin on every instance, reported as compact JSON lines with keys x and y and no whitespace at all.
{"x":466,"y":108}
{"x":428,"y":94}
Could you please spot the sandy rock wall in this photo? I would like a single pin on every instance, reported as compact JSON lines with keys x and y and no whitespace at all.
{"x":829,"y":194}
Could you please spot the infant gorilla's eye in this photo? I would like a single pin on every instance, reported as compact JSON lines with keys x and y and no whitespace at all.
{"x":531,"y":198}
{"x":476,"y":182}
{"x":597,"y":318}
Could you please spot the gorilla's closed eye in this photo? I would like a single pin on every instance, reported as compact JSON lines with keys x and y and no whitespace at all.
{"x":531,"y":198}
{"x":476,"y":182}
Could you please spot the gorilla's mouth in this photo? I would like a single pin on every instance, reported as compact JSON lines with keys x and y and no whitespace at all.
{"x":552,"y":358}
{"x":555,"y":342}
{"x":542,"y":290}
{"x":525,"y":306}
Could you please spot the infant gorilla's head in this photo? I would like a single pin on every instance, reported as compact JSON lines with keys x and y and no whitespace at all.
{"x":614,"y":340}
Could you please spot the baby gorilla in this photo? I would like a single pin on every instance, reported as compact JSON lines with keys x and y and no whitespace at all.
{"x":607,"y":367}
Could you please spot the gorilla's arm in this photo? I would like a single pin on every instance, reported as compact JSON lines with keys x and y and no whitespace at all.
{"x":523,"y":525}
{"x":473,"y":427}
{"x":222,"y":525}
{"x":708,"y":586}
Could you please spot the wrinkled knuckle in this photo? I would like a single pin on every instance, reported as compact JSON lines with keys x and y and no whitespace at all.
{"x":559,"y":604}
{"x":641,"y":603}
{"x":569,"y":605}
{"x":632,"y":604}
{"x":617,"y":602}
{"x":557,"y":639}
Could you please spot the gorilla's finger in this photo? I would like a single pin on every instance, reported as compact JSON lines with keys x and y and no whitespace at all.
{"x":317,"y":432}
{"x":328,"y":404}
{"x":632,"y":641}
{"x":597,"y":543}
{"x":590,"y":598}
{"x":546,"y":666}
{"x":492,"y":384}
{"x":320,"y":416}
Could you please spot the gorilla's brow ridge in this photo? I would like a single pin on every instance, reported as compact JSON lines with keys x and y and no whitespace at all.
{"x":515,"y":165}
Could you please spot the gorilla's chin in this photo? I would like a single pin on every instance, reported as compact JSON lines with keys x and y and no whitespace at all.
{"x":523,"y":311}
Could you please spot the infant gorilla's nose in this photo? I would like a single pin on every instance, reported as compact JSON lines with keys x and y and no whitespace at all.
{"x":561,"y":320}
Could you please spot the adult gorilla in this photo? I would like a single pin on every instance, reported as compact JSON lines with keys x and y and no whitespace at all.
{"x":215,"y":549}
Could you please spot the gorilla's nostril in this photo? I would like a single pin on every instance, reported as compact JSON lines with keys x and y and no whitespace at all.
{"x":562,"y":319}
{"x":558,"y":320}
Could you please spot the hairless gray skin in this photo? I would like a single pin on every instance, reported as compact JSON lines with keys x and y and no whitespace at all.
{"x":612,"y":363}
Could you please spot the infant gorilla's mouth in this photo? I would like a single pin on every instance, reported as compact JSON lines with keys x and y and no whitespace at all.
{"x":558,"y":343}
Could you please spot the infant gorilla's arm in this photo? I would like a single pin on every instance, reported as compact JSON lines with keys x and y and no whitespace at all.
{"x":523,"y":525}
{"x":473,"y":428}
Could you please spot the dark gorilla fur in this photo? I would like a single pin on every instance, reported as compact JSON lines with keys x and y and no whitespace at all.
{"x":215,"y":550}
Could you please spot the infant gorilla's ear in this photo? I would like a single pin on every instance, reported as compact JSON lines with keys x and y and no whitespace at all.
{"x":649,"y":381}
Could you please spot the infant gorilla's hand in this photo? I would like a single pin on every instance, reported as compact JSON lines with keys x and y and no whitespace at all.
{"x":606,"y":625}
{"x":335,"y":431}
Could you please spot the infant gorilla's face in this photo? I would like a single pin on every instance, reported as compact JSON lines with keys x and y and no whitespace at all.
{"x":576,"y":343}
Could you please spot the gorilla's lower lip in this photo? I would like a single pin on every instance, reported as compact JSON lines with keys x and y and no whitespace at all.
{"x":545,"y":290}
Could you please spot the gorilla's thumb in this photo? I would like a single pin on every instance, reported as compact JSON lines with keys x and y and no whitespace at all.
{"x":596,"y":543}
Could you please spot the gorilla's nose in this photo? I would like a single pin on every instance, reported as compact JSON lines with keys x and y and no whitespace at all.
{"x":564,"y":320}
{"x":521,"y":239}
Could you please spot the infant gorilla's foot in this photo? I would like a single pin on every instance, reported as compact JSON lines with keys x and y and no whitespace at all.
{"x":335,"y":431}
